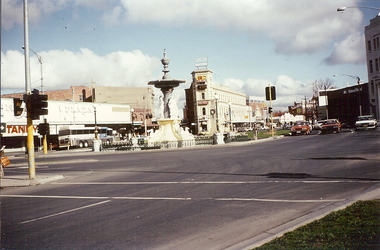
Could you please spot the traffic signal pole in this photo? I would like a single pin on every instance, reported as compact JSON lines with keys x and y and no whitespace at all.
{"x":271,"y":113}
{"x":30,"y":138}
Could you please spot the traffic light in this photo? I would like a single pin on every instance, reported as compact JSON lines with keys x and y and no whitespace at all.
{"x":43,"y":129}
{"x":38,"y":105}
{"x":17,"y":106}
{"x":270,"y":110}
{"x":272,"y":95}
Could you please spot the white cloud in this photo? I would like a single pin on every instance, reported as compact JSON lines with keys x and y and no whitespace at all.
{"x":349,"y":50}
{"x":288,"y":90}
{"x":62,"y":68}
{"x":295,"y":26}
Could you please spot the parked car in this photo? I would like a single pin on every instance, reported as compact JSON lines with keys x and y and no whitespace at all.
{"x":330,"y":126}
{"x":301,"y":127}
{"x":365,"y":122}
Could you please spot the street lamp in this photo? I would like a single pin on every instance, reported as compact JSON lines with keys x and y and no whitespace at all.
{"x":216,"y":97}
{"x":355,"y":77}
{"x":96,"y":123}
{"x":341,"y":9}
{"x":40,"y":62}
{"x":229,"y":111}
{"x":326,"y":100}
{"x":133,"y":117}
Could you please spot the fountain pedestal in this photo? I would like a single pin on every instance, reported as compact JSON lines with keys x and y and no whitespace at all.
{"x":170,"y":133}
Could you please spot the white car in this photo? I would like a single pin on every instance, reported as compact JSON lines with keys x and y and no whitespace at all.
{"x":365,"y":122}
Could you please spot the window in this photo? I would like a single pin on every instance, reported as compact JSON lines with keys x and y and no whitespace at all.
{"x":372,"y":87}
{"x":203,"y":111}
{"x":370,"y":66}
{"x":203,"y":96}
{"x":377,"y":64}
{"x":369,"y":46}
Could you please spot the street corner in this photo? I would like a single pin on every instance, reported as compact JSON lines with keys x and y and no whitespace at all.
{"x":23,"y":181}
{"x":45,"y":179}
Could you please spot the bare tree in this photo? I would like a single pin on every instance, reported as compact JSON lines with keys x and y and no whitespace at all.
{"x":322,"y":85}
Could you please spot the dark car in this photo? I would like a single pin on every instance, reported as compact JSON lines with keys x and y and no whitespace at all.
{"x":330,"y":126}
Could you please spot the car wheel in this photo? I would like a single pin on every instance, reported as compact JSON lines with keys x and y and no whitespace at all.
{"x":81,"y":144}
{"x":85,"y":144}
{"x":108,"y":142}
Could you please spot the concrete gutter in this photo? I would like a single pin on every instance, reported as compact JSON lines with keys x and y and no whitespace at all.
{"x":23,"y":181}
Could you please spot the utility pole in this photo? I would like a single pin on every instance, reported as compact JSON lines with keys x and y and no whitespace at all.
{"x":29,"y":124}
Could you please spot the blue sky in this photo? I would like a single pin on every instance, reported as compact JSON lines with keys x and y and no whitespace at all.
{"x":249,"y":43}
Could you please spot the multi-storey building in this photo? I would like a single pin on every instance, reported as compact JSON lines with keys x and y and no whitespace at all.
{"x":212,"y":108}
{"x":372,"y":37}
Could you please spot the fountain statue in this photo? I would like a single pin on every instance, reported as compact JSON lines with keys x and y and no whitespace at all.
{"x":169,"y":131}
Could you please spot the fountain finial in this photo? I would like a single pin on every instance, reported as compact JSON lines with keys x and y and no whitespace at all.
{"x":165,"y":61}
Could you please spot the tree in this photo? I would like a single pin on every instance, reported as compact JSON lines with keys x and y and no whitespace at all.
{"x":322,"y":85}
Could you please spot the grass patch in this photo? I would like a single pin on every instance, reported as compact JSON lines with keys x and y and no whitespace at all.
{"x":356,"y":227}
{"x":266,"y":134}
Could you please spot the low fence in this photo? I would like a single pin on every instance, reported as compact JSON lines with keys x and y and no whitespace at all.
{"x":143,"y":145}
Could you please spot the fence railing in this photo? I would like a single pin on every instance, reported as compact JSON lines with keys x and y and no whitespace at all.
{"x":144,"y":145}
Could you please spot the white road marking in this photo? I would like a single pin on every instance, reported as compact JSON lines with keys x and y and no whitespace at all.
{"x":203,"y":182}
{"x":166,"y":198}
{"x":64,"y":212}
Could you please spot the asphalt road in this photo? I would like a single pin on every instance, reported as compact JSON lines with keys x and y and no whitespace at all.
{"x":202,"y":198}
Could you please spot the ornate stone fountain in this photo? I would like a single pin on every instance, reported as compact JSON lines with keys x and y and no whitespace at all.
{"x":169,"y":131}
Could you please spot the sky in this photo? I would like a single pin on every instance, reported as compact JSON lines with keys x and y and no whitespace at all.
{"x":248,"y":43}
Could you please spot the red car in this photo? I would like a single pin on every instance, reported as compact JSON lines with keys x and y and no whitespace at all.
{"x":300,"y":127}
{"x":330,"y":126}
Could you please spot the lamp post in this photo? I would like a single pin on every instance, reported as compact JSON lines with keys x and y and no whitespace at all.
{"x":96,"y":124}
{"x":229,"y":112}
{"x":216,"y":97}
{"x":40,"y":62}
{"x":326,"y":100}
{"x":133,"y":117}
{"x":145,"y":127}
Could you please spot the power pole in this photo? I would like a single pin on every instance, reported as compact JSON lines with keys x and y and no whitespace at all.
{"x":29,"y":124}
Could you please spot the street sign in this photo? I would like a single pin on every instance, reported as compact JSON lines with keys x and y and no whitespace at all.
{"x":3,"y":127}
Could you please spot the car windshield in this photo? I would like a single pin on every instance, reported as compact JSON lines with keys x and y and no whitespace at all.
{"x":300,"y":124}
{"x":330,"y":122}
{"x":363,"y":118}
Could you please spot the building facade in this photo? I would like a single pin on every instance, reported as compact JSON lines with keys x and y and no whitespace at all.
{"x":63,"y":114}
{"x":212,"y":108}
{"x":140,"y":100}
{"x":259,"y":109}
{"x":372,"y":37}
{"x":344,"y":104}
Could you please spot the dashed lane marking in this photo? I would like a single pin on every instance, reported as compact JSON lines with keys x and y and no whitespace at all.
{"x":205,"y":182}
{"x":168,"y":198}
